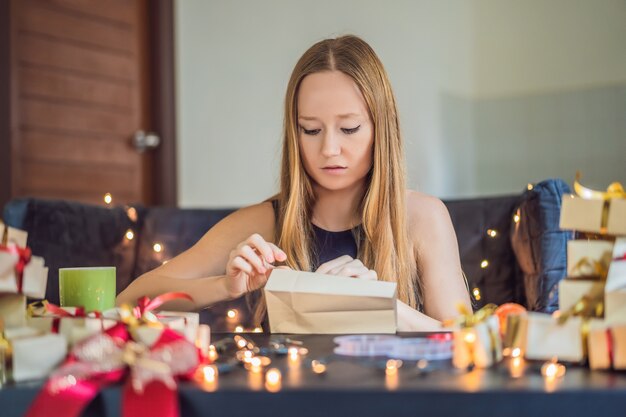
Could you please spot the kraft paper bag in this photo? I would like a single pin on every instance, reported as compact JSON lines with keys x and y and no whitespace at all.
{"x":583,"y":254}
{"x":305,"y":302}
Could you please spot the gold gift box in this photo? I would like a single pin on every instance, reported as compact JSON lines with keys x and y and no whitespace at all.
{"x":586,"y":215}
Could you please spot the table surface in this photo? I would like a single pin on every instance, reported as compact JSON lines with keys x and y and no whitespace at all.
{"x":361,"y":386}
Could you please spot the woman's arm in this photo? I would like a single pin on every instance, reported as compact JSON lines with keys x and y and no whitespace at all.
{"x":439,"y":263}
{"x":200,"y":271}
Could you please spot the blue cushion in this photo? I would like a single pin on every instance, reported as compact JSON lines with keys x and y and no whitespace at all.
{"x":540,"y":246}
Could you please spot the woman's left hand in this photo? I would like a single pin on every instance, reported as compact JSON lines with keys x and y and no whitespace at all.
{"x":347,"y":267}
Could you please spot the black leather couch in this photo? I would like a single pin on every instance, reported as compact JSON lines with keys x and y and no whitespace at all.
{"x":511,"y":247}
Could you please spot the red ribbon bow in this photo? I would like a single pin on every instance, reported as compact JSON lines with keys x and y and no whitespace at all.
{"x":145,"y":304}
{"x":104,"y":359}
{"x":23,"y":258}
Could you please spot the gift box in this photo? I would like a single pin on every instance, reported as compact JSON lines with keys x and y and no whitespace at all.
{"x":20,"y":272}
{"x":547,"y":338}
{"x":33,"y":354}
{"x":573,"y":291}
{"x":594,"y":211}
{"x":185,"y":323}
{"x":588,"y":258}
{"x":479,"y":344}
{"x":615,"y":288}
{"x":13,"y":310}
{"x":607,"y":346}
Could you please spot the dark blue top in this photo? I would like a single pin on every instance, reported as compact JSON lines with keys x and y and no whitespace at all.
{"x":331,"y":245}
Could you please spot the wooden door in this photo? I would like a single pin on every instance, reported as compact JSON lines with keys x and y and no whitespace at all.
{"x":79,"y":91}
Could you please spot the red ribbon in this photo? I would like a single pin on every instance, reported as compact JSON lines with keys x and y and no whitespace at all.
{"x":79,"y":380}
{"x":609,"y":344}
{"x":23,"y":258}
{"x":145,"y":304}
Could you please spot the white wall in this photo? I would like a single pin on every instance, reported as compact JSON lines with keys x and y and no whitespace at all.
{"x":234,"y":61}
{"x":449,"y":63}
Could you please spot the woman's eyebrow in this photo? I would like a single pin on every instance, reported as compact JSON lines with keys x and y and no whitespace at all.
{"x":340,"y":116}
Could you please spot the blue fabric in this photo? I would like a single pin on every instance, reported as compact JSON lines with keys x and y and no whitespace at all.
{"x":540,"y":246}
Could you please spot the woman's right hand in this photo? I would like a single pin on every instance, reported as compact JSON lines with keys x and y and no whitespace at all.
{"x":250,"y":264}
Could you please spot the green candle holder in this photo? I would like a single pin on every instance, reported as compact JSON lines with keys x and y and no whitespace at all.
{"x":91,"y":287}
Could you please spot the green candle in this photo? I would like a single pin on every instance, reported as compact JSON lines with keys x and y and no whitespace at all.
{"x":91,"y":287}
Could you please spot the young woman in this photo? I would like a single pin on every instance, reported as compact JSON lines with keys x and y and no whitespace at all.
{"x":342,"y":208}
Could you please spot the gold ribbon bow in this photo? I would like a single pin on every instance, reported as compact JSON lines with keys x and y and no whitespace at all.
{"x":614,"y":190}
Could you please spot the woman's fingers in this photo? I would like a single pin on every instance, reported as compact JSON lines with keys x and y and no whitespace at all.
{"x":257,"y":242}
{"x":238,"y":264}
{"x":253,"y":258}
{"x":326,"y":267}
{"x":279,"y":254}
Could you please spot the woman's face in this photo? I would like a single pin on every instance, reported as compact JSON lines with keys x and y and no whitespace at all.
{"x":335,"y":131}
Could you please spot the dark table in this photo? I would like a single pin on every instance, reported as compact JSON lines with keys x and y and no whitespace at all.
{"x":353,"y":387}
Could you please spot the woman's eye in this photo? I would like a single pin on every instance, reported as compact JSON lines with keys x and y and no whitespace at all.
{"x":310,"y":132}
{"x":350,"y":131}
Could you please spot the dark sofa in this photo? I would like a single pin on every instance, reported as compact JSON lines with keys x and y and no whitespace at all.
{"x":516,"y":235}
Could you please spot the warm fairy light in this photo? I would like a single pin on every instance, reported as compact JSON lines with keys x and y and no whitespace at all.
{"x":318,"y":367}
{"x":506,"y":351}
{"x":476,"y":292}
{"x":392,"y":366}
{"x":157,"y":247}
{"x":552,"y":369}
{"x":529,"y":186}
{"x":470,"y":337}
{"x":247,"y":356}
{"x":303,"y":351}
{"x":129,"y":234}
{"x":164,"y":262}
{"x":422,"y":364}
{"x":231,"y":314}
{"x":492,"y":232}
{"x":516,"y":352}
{"x":108,"y":198}
{"x":241,"y":343}
{"x":517,"y":367}
{"x":258,"y":330}
{"x":131,"y":212}
{"x":516,"y":218}
{"x":209,"y":373}
{"x":239,"y":329}
{"x":212,"y":353}
{"x":273,"y":376}
{"x":293,"y":353}
{"x":256,"y":361}
{"x":484,"y":264}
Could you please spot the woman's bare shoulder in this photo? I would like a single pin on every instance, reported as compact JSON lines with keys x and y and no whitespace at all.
{"x":427,"y":215}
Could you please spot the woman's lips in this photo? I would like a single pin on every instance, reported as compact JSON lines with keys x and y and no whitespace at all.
{"x":334,"y":169}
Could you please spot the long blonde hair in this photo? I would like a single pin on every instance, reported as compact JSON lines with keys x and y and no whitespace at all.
{"x":383,"y":244}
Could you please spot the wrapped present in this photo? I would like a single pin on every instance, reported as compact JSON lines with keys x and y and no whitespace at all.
{"x":32,"y":353}
{"x":548,"y":337}
{"x":593,"y":211}
{"x":607,"y":346}
{"x":588,"y":258}
{"x":109,"y":357}
{"x":145,"y":322}
{"x":13,"y":310}
{"x":20,"y":271}
{"x":476,"y":339}
{"x":71,"y":322}
{"x":581,"y":297}
{"x":615,"y":288}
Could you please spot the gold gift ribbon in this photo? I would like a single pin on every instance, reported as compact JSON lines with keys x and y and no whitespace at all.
{"x":614,"y":190}
{"x":467,"y":319}
{"x":600,"y":267}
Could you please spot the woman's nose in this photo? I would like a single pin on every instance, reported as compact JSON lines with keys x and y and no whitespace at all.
{"x":330,"y":145}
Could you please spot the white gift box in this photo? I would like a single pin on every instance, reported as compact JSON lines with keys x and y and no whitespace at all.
{"x":76,"y":329}
{"x":34,"y":357}
{"x":593,"y":250}
{"x":188,"y":326}
{"x":34,"y":277}
{"x":615,"y":288}
{"x":546,"y":338}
